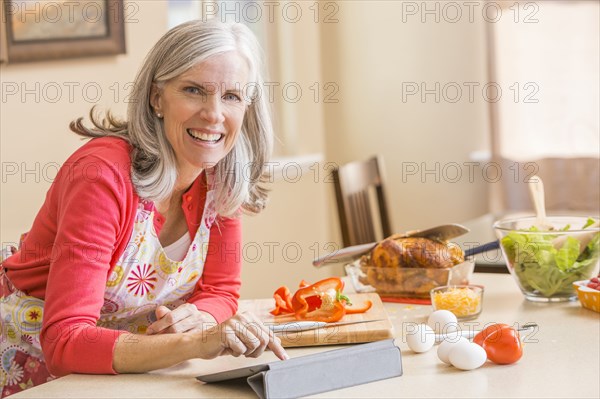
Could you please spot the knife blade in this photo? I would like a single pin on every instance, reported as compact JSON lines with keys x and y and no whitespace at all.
{"x":296,"y":326}
{"x":440,"y":233}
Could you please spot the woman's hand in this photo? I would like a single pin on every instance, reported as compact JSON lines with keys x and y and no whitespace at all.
{"x":184,"y":318}
{"x":243,"y":334}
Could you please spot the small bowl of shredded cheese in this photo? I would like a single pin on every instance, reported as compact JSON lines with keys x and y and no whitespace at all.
{"x":463,"y":300}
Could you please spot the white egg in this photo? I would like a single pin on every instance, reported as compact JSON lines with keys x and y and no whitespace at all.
{"x":442,"y":321}
{"x":445,"y":347}
{"x":420,"y":340}
{"x":467,"y":356}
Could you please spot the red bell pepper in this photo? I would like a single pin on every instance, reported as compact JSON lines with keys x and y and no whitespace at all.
{"x":323,"y":301}
{"x":303,"y":284}
{"x":283,"y":301}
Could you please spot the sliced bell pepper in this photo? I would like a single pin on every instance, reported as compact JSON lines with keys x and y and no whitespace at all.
{"x":303,"y":284}
{"x":323,"y":301}
{"x":367,"y":306}
{"x":283,"y":301}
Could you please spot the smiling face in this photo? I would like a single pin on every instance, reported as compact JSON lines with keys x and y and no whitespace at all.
{"x":203,"y":110}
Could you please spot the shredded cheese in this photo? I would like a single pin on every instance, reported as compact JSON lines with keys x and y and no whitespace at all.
{"x":460,"y":301}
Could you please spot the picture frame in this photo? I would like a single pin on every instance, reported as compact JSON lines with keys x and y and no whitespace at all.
{"x":34,"y":30}
{"x":3,"y":52}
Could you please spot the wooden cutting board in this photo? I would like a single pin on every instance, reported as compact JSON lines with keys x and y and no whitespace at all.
{"x":334,"y":335}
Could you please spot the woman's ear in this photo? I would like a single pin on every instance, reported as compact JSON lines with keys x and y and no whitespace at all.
{"x":155,"y":98}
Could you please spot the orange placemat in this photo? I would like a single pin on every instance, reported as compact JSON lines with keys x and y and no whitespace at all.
{"x":414,"y":301}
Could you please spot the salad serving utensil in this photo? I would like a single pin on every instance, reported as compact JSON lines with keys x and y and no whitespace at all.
{"x":536,"y":189}
{"x":583,"y":236}
{"x":439,"y":233}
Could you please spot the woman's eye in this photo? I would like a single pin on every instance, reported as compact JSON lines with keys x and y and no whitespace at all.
{"x":192,"y":90}
{"x":232,"y":97}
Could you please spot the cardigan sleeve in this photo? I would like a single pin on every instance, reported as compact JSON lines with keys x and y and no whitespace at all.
{"x":217,"y":292}
{"x":90,"y":216}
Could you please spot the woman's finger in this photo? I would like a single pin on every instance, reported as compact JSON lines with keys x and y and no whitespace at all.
{"x":266,"y":336}
{"x":254,"y":337}
{"x":273,"y":342}
{"x":167,"y":320}
{"x":232,"y":343}
{"x":277,"y":348}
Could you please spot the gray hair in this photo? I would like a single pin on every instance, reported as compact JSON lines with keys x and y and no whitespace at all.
{"x":239,"y":177}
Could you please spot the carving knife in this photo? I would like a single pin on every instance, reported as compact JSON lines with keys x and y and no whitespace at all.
{"x":295,"y":326}
{"x":440,"y":233}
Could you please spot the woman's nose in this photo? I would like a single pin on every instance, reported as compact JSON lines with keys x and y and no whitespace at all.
{"x":212,"y":109}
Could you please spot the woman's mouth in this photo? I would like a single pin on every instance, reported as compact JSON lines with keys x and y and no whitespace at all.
{"x":205,"y":137}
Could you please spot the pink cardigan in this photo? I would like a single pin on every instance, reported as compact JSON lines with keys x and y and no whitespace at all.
{"x":77,"y":237}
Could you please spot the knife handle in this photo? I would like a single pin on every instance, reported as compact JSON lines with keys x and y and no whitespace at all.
{"x":482,"y":248}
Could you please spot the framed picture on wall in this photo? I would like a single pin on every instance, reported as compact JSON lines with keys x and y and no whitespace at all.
{"x":3,"y":54}
{"x":34,"y":30}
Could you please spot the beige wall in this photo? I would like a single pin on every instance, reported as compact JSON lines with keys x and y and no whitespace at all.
{"x":35,"y":137}
{"x":367,"y":54}
{"x":370,"y":54}
{"x":281,"y":242}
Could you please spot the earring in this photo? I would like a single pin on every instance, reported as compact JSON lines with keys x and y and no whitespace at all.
{"x":159,"y":115}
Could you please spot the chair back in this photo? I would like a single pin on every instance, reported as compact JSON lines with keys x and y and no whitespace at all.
{"x":360,"y":214}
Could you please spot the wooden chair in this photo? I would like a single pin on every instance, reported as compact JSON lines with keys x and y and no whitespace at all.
{"x":354,"y":185}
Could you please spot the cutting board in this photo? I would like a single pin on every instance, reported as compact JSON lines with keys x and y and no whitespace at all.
{"x":334,"y":335}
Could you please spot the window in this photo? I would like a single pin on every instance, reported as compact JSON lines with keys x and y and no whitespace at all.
{"x":546,"y":61}
{"x":180,"y":11}
{"x":547,"y":66}
{"x":244,"y":11}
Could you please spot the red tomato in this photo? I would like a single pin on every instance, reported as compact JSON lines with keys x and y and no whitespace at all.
{"x":487,"y":331}
{"x":501,"y":342}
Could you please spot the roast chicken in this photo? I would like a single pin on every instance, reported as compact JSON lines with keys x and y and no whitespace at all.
{"x":409,"y":266}
{"x":416,"y":252}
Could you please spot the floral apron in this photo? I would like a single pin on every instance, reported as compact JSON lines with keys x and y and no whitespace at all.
{"x":142,"y":279}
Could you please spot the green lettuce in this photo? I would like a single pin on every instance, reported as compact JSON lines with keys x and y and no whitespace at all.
{"x":543,"y":269}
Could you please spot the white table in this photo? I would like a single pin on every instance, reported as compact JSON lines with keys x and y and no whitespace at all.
{"x":562,"y":359}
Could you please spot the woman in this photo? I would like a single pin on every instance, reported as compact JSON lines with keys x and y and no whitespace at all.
{"x":138,"y":240}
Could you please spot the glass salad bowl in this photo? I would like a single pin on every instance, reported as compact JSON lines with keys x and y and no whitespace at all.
{"x":546,"y":261}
